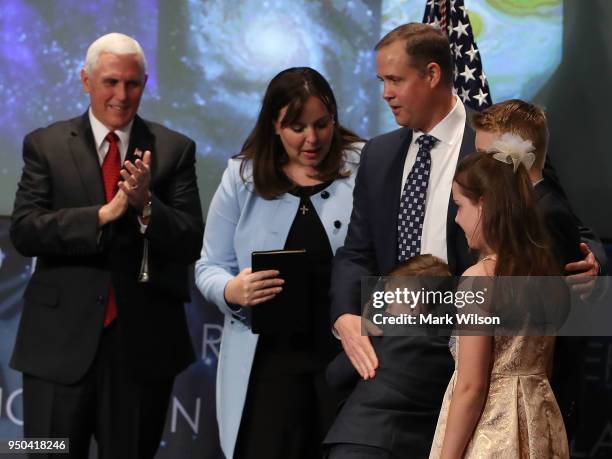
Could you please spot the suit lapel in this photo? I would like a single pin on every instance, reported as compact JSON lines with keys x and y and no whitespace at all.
{"x":142,"y":139}
{"x":468,"y":144}
{"x":457,"y":250}
{"x":542,"y":189}
{"x":83,"y":150}
{"x":391,"y":192}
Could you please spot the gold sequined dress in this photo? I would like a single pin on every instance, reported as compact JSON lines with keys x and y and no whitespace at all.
{"x":521,"y":418}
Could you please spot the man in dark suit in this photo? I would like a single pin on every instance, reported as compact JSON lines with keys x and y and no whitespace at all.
{"x":414,"y":63}
{"x":103,"y":331}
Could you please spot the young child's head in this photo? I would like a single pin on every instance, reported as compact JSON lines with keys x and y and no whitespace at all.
{"x":419,"y":272}
{"x":517,"y":117}
{"x":497,"y":209}
{"x":421,"y":265}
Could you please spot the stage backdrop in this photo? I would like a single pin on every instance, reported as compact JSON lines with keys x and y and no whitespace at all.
{"x":209,"y":62}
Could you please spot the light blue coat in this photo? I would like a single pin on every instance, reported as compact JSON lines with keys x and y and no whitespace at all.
{"x":238,"y":223}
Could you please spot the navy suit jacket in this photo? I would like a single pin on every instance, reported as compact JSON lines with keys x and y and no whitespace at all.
{"x":370,"y":248}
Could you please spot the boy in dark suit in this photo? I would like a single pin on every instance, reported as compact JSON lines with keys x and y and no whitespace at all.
{"x":529,"y":122}
{"x":387,"y":400}
{"x":340,"y":374}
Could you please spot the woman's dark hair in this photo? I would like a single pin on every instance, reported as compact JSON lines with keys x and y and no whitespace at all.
{"x":511,"y":224}
{"x":291,"y":88}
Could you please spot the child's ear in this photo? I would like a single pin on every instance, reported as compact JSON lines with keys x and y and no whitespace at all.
{"x":277,"y":127}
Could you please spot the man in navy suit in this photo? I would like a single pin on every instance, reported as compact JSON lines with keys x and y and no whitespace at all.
{"x":384,"y":420}
{"x":109,"y":205}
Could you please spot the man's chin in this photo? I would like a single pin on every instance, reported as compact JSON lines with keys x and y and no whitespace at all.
{"x":403,"y":122}
{"x":119,"y":122}
{"x":407,"y":122}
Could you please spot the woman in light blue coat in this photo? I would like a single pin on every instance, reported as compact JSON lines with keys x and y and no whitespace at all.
{"x":290,"y":188}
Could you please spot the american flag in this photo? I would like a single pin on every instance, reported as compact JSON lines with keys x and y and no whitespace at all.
{"x":469,"y":78}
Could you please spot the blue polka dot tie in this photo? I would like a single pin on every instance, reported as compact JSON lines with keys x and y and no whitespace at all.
{"x":412,"y":202}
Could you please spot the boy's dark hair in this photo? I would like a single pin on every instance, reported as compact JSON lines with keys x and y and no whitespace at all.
{"x":422,"y":265}
{"x":518,"y":117}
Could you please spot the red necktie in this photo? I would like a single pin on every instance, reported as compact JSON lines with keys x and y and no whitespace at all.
{"x":110,"y":175}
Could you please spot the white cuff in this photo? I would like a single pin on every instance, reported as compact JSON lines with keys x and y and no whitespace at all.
{"x":143,"y":227}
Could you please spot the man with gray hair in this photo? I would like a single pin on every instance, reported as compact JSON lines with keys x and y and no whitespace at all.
{"x":109,"y":205}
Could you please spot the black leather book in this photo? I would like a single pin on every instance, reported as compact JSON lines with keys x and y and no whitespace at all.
{"x":288,"y":312}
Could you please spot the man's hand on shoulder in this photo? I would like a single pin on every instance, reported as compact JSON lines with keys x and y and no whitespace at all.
{"x":358,"y":348}
{"x":582,"y":273}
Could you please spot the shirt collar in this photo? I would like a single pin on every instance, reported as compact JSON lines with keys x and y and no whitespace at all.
{"x":100,"y":131}
{"x":447,"y":130}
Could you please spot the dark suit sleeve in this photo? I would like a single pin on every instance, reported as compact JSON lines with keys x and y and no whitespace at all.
{"x":176,"y":228}
{"x":357,"y":258}
{"x":39,"y":229}
{"x":586,"y":234}
{"x":563,"y":228}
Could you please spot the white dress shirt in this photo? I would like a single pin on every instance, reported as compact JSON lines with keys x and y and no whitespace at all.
{"x":100,"y":132}
{"x":444,"y":156}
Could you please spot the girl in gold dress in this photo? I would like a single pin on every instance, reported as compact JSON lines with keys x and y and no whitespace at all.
{"x":499,"y":403}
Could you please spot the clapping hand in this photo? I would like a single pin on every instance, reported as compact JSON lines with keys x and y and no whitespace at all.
{"x":137,"y":180}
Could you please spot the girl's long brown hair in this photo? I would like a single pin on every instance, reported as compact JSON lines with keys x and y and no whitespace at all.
{"x":511,"y":224}
{"x":292,"y":88}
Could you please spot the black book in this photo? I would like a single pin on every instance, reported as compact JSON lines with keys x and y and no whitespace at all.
{"x":288,"y":312}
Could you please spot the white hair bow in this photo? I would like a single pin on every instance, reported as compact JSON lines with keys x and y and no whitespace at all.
{"x":513,"y":149}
